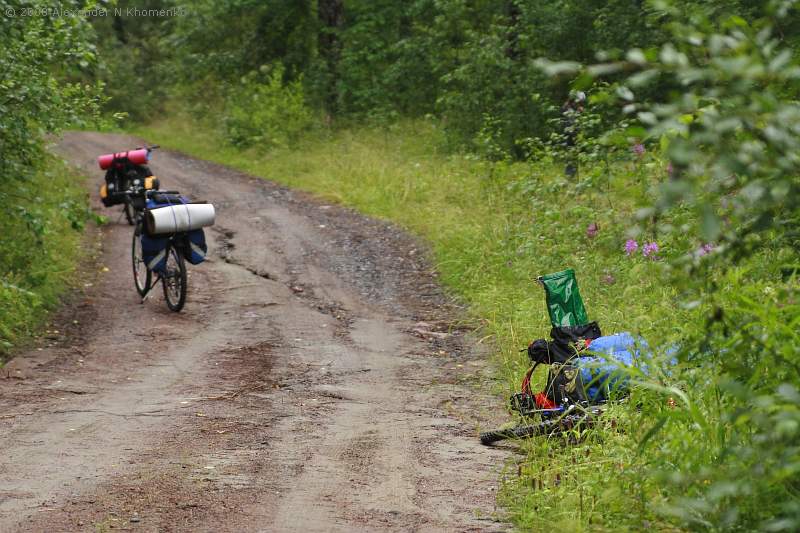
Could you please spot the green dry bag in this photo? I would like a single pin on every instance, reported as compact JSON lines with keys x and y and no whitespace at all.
{"x":563,"y":299}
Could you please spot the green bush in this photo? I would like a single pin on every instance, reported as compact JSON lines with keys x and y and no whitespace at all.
{"x":39,"y":246}
{"x":264,"y":111}
{"x":714,"y":444}
{"x":44,"y":207}
{"x":40,"y":57}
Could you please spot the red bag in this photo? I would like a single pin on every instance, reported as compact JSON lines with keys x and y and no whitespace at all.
{"x":137,"y":157}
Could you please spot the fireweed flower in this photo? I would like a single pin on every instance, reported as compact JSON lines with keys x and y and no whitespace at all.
{"x":591,"y":230}
{"x":650,"y":250}
{"x":706,"y":249}
{"x":631,"y":246}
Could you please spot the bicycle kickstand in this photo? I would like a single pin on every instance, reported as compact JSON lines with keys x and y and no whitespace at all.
{"x":150,"y":288}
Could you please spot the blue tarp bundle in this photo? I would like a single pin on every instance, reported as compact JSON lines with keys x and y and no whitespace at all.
{"x":601,"y":370}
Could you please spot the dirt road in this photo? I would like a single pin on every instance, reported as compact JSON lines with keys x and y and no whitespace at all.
{"x":314,"y":382}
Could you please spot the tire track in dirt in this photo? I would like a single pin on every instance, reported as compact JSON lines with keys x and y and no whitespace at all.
{"x":290,"y":395}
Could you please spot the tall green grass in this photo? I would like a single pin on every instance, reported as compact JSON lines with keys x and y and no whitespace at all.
{"x":40,"y":235}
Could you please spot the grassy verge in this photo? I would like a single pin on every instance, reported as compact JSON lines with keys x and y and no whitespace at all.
{"x":493,"y":228}
{"x":39,"y":247}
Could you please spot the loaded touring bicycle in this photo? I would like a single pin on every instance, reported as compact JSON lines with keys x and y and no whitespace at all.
{"x":168,"y":230}
{"x":168,"y":235}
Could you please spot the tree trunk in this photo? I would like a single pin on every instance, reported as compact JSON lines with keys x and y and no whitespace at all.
{"x":331,"y":18}
{"x":512,"y":44}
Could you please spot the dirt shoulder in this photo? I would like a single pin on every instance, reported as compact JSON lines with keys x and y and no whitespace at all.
{"x":315,"y":381}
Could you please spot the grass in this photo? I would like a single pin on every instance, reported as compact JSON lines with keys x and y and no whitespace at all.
{"x":494,"y":227}
{"x":39,"y":248}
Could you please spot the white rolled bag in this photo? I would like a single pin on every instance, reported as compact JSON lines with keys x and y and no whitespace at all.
{"x":179,"y":217}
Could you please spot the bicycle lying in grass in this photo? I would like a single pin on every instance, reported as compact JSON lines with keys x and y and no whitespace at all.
{"x":586,"y":368}
{"x":578,"y":389}
{"x":546,"y":422}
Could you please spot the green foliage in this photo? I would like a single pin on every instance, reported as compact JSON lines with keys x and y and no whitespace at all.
{"x":471,"y":63}
{"x":727,"y":457}
{"x":43,"y":54}
{"x":135,"y":58}
{"x":39,"y":246}
{"x":731,"y":137}
{"x":221,"y":41}
{"x":39,"y":55}
{"x":733,"y":142}
{"x":386,"y":67}
{"x":264,"y":111}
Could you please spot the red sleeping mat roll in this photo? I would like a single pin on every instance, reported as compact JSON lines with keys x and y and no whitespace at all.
{"x":137,"y":157}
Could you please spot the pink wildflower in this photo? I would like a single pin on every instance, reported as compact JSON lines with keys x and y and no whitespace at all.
{"x":631,"y":246}
{"x":592,"y":229}
{"x":706,"y":249}
{"x":650,"y":250}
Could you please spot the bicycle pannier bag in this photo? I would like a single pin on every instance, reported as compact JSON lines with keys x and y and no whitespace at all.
{"x":196,"y":246}
{"x":154,"y":252}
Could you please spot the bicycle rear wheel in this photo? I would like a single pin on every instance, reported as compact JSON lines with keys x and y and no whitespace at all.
{"x":142,"y":277}
{"x":174,"y":280}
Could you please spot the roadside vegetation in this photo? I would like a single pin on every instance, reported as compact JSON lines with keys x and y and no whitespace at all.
{"x":446,"y":117}
{"x":40,"y":247}
{"x":44,"y":203}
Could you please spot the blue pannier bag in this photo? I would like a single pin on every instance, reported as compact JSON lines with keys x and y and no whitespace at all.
{"x":196,"y":246}
{"x":154,"y":252}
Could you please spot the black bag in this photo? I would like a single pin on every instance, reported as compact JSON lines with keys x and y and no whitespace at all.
{"x":568,"y":342}
{"x":545,"y":352}
{"x":569,"y":335}
{"x":154,"y":252}
{"x":565,"y":384}
{"x":111,"y":193}
{"x":119,"y":179}
{"x":195,"y":248}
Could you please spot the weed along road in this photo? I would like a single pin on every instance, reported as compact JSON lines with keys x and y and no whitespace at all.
{"x":313,"y":382}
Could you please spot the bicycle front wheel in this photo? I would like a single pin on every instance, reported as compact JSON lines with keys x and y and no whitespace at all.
{"x":174,"y":280}
{"x":129,"y":213}
{"x":545,"y":427}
